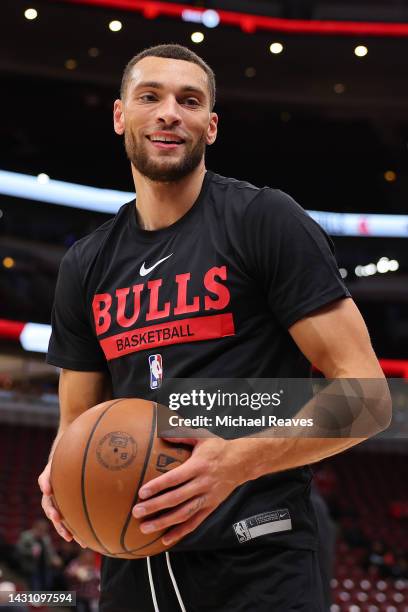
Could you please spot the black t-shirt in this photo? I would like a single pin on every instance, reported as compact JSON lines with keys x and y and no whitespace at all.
{"x":214,"y":294}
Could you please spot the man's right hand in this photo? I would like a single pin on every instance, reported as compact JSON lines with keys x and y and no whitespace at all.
{"x":47,"y":504}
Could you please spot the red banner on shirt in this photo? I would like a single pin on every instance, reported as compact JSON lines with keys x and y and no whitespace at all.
{"x":174,"y":332}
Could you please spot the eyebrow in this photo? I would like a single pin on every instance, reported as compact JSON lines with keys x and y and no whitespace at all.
{"x":157,"y":85}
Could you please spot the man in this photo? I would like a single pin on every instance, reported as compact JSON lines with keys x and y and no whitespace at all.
{"x":37,"y":556}
{"x":254,"y":280}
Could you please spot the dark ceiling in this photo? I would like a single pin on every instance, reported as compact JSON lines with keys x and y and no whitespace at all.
{"x":329,"y":150}
{"x":303,"y":75}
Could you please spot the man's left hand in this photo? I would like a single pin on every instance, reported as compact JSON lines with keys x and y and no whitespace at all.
{"x":202,"y":483}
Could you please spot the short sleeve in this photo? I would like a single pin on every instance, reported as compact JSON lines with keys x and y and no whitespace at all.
{"x":73,"y":343}
{"x":291,"y":256}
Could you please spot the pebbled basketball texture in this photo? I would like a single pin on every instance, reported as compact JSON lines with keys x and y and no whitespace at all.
{"x":98,"y":467}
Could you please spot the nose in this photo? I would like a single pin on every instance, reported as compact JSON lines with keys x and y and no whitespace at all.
{"x":169,"y":112}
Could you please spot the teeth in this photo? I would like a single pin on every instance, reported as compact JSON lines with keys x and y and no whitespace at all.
{"x":164,"y":139}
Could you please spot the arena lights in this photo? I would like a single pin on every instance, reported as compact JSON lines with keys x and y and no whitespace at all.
{"x":390,"y":176}
{"x":43,"y":178}
{"x":339,"y":88}
{"x":276,"y":48}
{"x":35,"y":337}
{"x":360,"y":51}
{"x":30,"y":14}
{"x":343,"y":272}
{"x":109,"y":201}
{"x":382,"y":266}
{"x":250,"y":72}
{"x":354,"y":224}
{"x":93,"y":52}
{"x":115,"y":25}
{"x":197,"y":37}
{"x":62,"y":193}
{"x":386,"y":265}
{"x":209,"y":18}
{"x":251,"y":23}
{"x":8,"y":262}
{"x":71,"y":64}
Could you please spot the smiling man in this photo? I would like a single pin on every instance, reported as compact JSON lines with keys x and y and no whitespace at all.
{"x":204,"y":276}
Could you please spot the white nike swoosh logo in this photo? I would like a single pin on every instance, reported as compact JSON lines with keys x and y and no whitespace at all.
{"x":144,"y":271}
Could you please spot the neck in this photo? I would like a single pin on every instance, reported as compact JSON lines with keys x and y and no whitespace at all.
{"x":159,"y":205}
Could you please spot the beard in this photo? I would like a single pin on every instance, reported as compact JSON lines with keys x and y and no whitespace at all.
{"x":164,"y":170}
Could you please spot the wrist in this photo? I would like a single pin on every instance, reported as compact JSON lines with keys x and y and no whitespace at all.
{"x":253,"y":457}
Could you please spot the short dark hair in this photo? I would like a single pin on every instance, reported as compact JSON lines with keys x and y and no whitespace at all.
{"x":171,"y":51}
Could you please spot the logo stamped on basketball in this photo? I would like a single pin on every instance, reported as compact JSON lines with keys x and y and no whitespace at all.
{"x":165,"y":463}
{"x":116,"y":450}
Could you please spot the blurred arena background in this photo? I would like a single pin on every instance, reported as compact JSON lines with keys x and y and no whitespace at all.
{"x":312,"y":99}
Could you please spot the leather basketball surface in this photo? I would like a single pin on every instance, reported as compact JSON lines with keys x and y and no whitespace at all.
{"x":99,"y":465}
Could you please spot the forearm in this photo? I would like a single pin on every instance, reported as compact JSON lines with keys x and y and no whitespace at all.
{"x":261,"y":456}
{"x":345,"y":413}
{"x":77,"y":392}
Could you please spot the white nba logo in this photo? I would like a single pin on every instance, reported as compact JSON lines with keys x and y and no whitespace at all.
{"x":241,"y":532}
{"x":156,"y":371}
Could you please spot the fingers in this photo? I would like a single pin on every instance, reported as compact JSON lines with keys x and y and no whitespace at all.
{"x":78,"y":541}
{"x":56,"y":519}
{"x":45,"y":486}
{"x":180,"y":515}
{"x":179,"y":475}
{"x":45,"y":483}
{"x":49,"y":508}
{"x":176,"y":534}
{"x":168,"y":500}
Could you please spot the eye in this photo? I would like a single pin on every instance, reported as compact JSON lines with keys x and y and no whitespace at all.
{"x":192,"y":102}
{"x":147,"y":97}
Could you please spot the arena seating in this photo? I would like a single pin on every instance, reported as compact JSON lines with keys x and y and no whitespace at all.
{"x":366,"y":486}
{"x":23,"y":455}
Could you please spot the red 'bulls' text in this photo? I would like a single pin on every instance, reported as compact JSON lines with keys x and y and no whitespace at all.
{"x":105,"y":306}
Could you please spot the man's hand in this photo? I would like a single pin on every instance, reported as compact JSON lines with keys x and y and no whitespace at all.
{"x":48,"y":506}
{"x":205,"y":480}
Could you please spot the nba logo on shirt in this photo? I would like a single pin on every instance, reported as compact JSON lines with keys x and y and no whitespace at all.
{"x":242,"y":531}
{"x":156,"y":371}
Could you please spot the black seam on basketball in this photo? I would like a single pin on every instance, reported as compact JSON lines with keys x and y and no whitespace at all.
{"x":132,"y":550}
{"x":142,"y":475}
{"x":83,"y":474}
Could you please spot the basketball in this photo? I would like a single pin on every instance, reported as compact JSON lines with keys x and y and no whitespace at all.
{"x":98,"y":467}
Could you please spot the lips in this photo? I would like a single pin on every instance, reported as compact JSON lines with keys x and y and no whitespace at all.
{"x":165,"y":145}
{"x":165,"y":140}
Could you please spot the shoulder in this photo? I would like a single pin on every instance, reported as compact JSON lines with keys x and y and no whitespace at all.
{"x":92,"y":242}
{"x":232,"y":193}
{"x":87,"y":249}
{"x":245,"y":199}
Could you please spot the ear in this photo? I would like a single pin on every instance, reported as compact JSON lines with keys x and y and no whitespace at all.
{"x":118,"y":117}
{"x":212,"y":129}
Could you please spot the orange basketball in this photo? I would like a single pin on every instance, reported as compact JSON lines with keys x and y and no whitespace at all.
{"x":99,"y":465}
